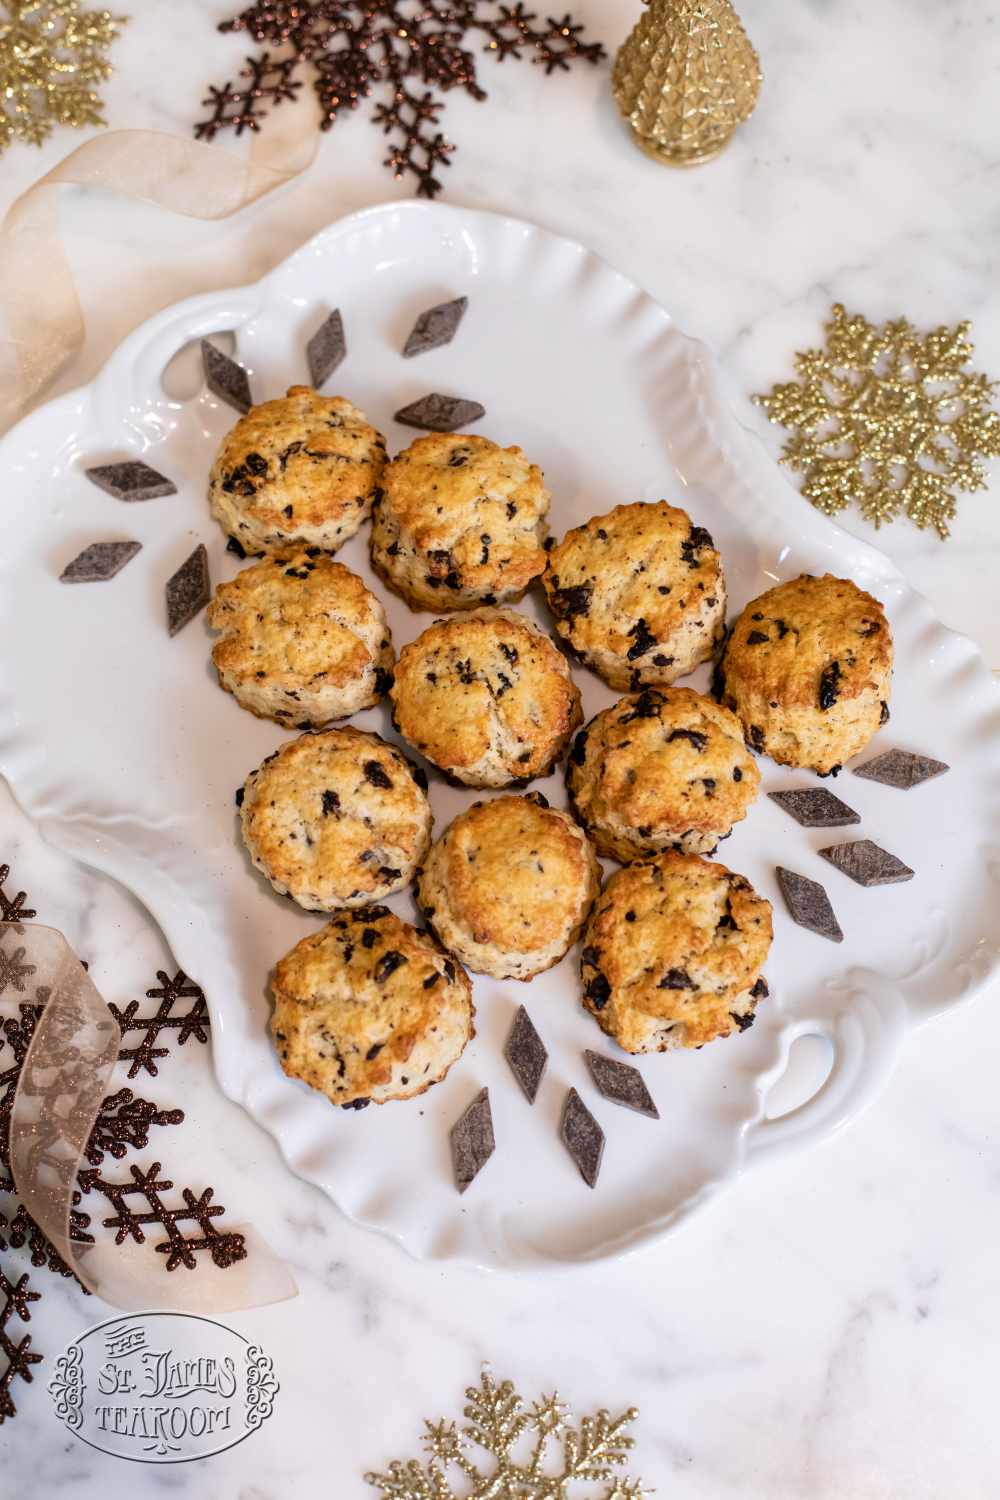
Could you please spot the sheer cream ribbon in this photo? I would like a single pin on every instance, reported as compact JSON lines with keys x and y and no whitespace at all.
{"x":41,"y":311}
{"x":63,"y":1080}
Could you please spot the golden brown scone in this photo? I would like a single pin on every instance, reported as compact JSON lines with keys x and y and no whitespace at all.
{"x":303,"y":641}
{"x":301,"y":471}
{"x":807,"y":669}
{"x":673,"y":952}
{"x":487,"y":697}
{"x":336,"y":819}
{"x":662,"y":769}
{"x":639,"y":594}
{"x":508,"y":885}
{"x":370,"y":1009}
{"x":461,"y":522}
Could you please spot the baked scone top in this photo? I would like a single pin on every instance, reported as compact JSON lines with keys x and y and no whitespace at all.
{"x":482,"y":687}
{"x":810,"y":643}
{"x":665,"y":758}
{"x":297,"y":617}
{"x":516,"y":873}
{"x":621,"y":581}
{"x":370,"y":1008}
{"x":676,"y":938}
{"x":294,"y":464}
{"x":474,"y":510}
{"x":342,"y":814}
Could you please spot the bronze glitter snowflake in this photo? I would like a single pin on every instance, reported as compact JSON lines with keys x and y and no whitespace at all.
{"x":889,"y":419}
{"x":354,"y":47}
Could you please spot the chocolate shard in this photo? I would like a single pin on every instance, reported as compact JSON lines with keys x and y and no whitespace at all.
{"x":225,"y":378}
{"x":815,"y":807}
{"x":99,"y":561}
{"x":526,"y":1054}
{"x":621,"y":1083}
{"x":437,"y":326}
{"x":131,"y":481}
{"x":436,"y":413}
{"x":188,"y":590}
{"x":808,"y":904}
{"x":582,"y":1137}
{"x":901,"y":768}
{"x":867,"y":863}
{"x":472,"y":1140}
{"x":326,"y":349}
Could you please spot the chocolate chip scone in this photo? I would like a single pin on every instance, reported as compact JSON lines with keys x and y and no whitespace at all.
{"x":370,"y":1009}
{"x":301,"y":471}
{"x":662,"y":769}
{"x":336,"y":819}
{"x":487,"y":697}
{"x":673,"y":952}
{"x":508,"y":885}
{"x":807,"y":670}
{"x":302,"y":640}
{"x":461,"y":522}
{"x":639,"y":594}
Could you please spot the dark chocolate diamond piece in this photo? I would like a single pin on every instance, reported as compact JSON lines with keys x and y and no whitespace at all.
{"x":436,"y":413}
{"x":582,"y":1137}
{"x":99,"y":562}
{"x":621,"y":1084}
{"x":901,"y":768}
{"x":326,"y":349}
{"x":808,"y":904}
{"x":188,"y":591}
{"x":131,"y":481}
{"x":437,"y":326}
{"x":815,"y":807}
{"x":867,"y":863}
{"x":225,"y":378}
{"x":472,"y":1140}
{"x":526,"y":1054}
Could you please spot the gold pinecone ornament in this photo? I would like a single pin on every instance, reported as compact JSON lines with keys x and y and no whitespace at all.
{"x":685,"y":78}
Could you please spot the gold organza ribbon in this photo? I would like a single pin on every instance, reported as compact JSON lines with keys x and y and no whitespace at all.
{"x":38,"y":300}
{"x":63,"y":1081}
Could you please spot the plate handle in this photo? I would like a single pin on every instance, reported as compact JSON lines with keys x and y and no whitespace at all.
{"x":131,"y":381}
{"x":864,"y":1035}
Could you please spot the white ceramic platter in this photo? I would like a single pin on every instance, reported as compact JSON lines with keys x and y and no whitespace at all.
{"x":119,"y":742}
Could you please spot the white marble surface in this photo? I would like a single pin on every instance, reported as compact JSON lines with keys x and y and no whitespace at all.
{"x":827,"y":1329}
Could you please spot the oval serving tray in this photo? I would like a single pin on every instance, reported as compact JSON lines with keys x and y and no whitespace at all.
{"x":120,"y":744}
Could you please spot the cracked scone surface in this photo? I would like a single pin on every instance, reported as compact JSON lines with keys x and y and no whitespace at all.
{"x":302,"y":641}
{"x":299,"y":471}
{"x":370,"y":1009}
{"x":662,"y":769}
{"x":673,"y":952}
{"x":807,"y":669}
{"x":460,"y":522}
{"x":336,"y":819}
{"x":508,"y":885}
{"x":638,"y":593}
{"x":487,"y":697}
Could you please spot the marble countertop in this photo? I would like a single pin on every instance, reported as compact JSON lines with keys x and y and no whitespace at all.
{"x":827,"y":1329}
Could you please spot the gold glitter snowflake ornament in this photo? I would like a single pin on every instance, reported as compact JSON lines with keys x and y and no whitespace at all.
{"x":524,"y":1446}
{"x":51,"y":56}
{"x":888,"y":418}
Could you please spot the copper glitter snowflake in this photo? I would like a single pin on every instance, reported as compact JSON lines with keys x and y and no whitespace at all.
{"x":185,"y":1223}
{"x":889,"y":419}
{"x":16,"y":1350}
{"x":51,"y":56}
{"x":354,"y":47}
{"x":537,"y":1452}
